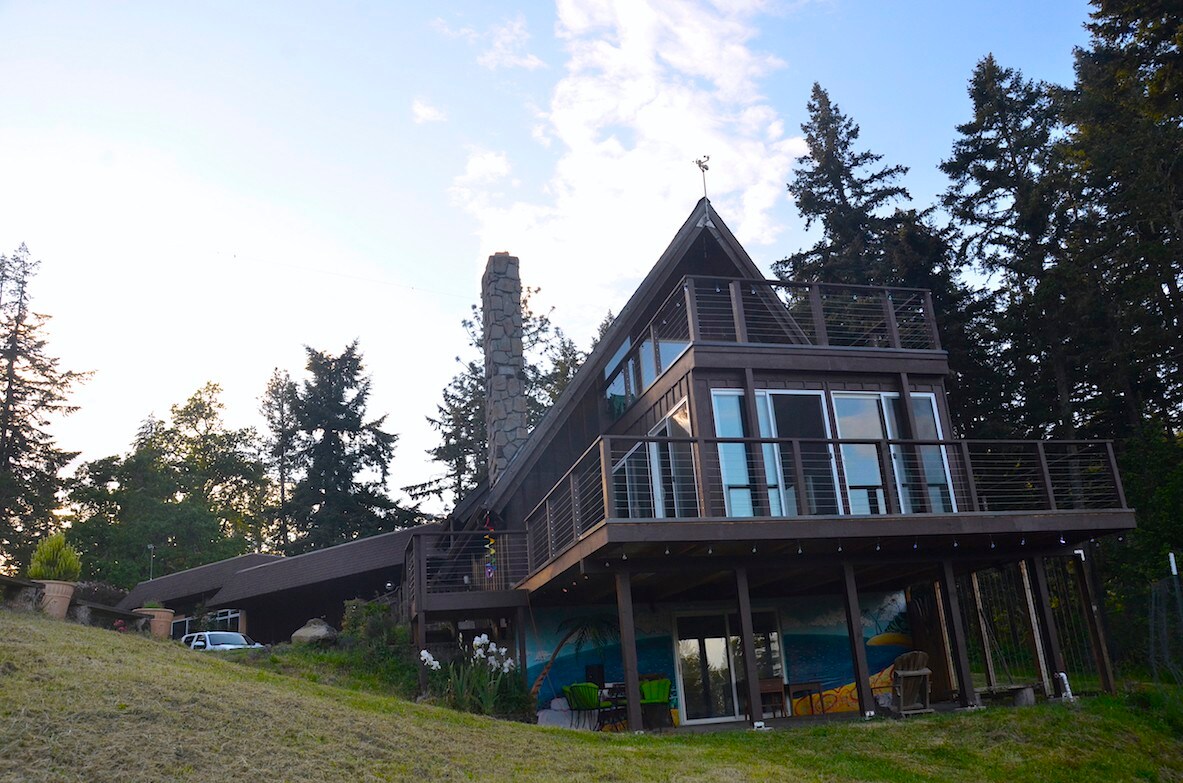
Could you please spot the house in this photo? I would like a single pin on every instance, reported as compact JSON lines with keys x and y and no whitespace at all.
{"x":757,"y":481}
{"x":270,"y":596}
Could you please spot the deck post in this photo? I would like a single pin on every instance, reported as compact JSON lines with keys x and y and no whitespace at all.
{"x":741,"y":324}
{"x":1047,"y":621}
{"x":1092,"y":614}
{"x":748,"y":642}
{"x":984,"y":629}
{"x":817,"y":309}
{"x":1036,"y":638}
{"x":858,"y":650}
{"x":628,"y":648}
{"x":420,"y":555}
{"x":966,"y":695}
{"x":691,"y":310}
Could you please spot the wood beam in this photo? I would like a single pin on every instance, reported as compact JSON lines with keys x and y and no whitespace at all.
{"x":628,"y":648}
{"x":748,"y":643}
{"x":984,"y":630}
{"x":955,"y":628}
{"x":1047,"y":621}
{"x":1092,"y":613}
{"x":858,"y":650}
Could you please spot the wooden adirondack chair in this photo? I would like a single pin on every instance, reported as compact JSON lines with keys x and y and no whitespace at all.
{"x":910,"y":683}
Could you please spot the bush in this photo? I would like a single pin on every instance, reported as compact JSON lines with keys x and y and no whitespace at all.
{"x":54,"y":559}
{"x":485,"y":682}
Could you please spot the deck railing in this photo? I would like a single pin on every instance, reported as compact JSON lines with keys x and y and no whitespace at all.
{"x":770,"y":312}
{"x":464,"y":561}
{"x":653,"y":478}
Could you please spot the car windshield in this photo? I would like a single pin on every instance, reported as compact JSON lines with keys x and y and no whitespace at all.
{"x":228,"y":638}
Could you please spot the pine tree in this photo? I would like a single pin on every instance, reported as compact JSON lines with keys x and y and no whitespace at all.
{"x":33,"y":390}
{"x":844,"y":189}
{"x":1010,"y":198}
{"x":342,"y":494}
{"x":282,"y":450}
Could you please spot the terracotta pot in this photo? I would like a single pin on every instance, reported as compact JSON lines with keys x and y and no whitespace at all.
{"x":56,"y":600}
{"x":162,"y":621}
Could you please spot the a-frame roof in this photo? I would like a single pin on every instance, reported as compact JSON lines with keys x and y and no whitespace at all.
{"x":703,"y":220}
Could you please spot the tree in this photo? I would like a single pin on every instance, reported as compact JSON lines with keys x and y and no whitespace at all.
{"x":863,"y":244}
{"x":33,"y":390}
{"x":190,"y":489}
{"x":1010,"y":198}
{"x":342,"y":494}
{"x":552,"y":361}
{"x":282,"y":450}
{"x":839,"y":186}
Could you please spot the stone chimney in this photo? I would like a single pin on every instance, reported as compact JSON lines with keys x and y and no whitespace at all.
{"x":505,"y":406}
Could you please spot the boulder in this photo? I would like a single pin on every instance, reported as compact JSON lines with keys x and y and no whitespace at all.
{"x":315,"y":631}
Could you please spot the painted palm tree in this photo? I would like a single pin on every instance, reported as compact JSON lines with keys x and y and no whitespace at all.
{"x":596,"y":629}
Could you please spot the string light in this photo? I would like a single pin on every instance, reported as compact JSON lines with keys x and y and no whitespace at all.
{"x":877,"y":546}
{"x":915,"y":544}
{"x":799,"y":550}
{"x":991,"y":542}
{"x":954,"y":543}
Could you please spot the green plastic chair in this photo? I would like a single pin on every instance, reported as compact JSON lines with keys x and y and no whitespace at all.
{"x":584,"y":700}
{"x":655,"y":703}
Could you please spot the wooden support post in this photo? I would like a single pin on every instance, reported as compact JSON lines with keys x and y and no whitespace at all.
{"x":970,"y":483}
{"x":606,"y":478}
{"x":1092,"y":613}
{"x":858,"y":650}
{"x":1045,"y":675}
{"x":893,"y":328}
{"x":741,"y":325}
{"x":966,"y":695}
{"x":821,"y":336}
{"x":1117,"y":485}
{"x":1045,"y":472}
{"x":748,"y":643}
{"x":984,"y":630}
{"x":930,"y":317}
{"x":1047,"y":621}
{"x":421,"y":643}
{"x":628,"y":648}
{"x":691,"y":303}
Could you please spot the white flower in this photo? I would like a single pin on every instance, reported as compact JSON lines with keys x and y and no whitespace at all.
{"x":435,"y":665}
{"x":507,"y":666}
{"x":481,"y":640}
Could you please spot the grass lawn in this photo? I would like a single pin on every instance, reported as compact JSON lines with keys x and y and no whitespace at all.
{"x":83,"y":704}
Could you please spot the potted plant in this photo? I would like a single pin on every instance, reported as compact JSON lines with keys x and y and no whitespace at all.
{"x":162,"y":618}
{"x":56,"y":565}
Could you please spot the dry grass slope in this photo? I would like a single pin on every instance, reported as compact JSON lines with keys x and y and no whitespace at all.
{"x":81,"y":704}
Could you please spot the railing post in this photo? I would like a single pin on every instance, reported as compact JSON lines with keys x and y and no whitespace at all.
{"x":1047,"y":475}
{"x":1116,"y":476}
{"x":705,"y":506}
{"x":606,"y":478}
{"x":804,"y":507}
{"x":550,"y":529}
{"x":656,"y":351}
{"x":930,"y":318}
{"x":576,"y":521}
{"x":691,"y":310}
{"x":741,"y":324}
{"x":890,"y":486}
{"x":893,"y":328}
{"x":819,"y":314}
{"x":970,"y":482}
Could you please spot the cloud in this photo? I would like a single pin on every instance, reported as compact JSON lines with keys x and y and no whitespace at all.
{"x":504,"y":44}
{"x":423,"y":112}
{"x":507,"y":44}
{"x":648,"y":87}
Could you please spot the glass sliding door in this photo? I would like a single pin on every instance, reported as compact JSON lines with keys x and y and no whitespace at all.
{"x":860,"y":417}
{"x":798,"y":415}
{"x":922,"y":471}
{"x":734,"y":471}
{"x":675,"y":492}
{"x":704,"y":664}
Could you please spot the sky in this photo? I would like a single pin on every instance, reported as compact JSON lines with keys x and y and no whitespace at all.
{"x":212,"y":186}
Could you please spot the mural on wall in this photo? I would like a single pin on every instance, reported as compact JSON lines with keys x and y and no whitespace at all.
{"x":817,"y":647}
{"x":814,"y":647}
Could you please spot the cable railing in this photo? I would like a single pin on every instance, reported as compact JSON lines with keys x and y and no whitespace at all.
{"x":768,"y":312}
{"x":659,"y":478}
{"x":463,"y":561}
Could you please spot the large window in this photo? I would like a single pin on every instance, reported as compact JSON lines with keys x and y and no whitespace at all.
{"x":655,"y":479}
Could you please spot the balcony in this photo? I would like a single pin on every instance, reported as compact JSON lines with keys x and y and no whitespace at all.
{"x":622,"y":479}
{"x":463,"y":570}
{"x":767,"y":312}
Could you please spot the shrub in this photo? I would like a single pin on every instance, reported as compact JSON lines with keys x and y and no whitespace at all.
{"x":484,"y":682}
{"x":54,"y":559}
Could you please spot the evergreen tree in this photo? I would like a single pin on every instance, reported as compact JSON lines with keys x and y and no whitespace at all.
{"x":1010,"y":198}
{"x":552,"y":359}
{"x":282,"y":450}
{"x":33,"y":390}
{"x":342,"y":494}
{"x":845,"y":189}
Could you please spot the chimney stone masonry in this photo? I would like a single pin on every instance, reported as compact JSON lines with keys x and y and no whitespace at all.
{"x":505,"y":408}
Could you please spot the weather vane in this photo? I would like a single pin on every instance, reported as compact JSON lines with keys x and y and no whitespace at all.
{"x":702,"y":164}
